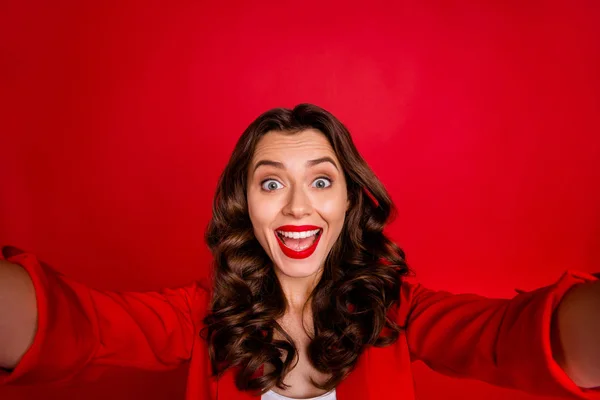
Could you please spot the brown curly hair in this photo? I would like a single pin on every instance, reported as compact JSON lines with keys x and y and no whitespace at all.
{"x":359,"y":284}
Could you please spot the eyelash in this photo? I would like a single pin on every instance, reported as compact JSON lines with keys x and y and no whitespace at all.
{"x":273,"y":179}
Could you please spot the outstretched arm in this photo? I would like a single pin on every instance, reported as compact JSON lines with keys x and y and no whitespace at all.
{"x":53,"y":328}
{"x":507,"y":342}
{"x":576,"y":334}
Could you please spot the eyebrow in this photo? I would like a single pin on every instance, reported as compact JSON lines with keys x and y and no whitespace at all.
{"x":309,"y":163}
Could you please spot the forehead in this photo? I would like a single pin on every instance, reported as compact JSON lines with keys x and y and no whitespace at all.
{"x":285,"y":146}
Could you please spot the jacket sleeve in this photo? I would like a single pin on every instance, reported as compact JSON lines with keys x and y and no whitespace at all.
{"x":505,"y":342}
{"x":81,"y":331}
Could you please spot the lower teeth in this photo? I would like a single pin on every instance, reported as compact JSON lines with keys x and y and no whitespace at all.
{"x":283,"y":239}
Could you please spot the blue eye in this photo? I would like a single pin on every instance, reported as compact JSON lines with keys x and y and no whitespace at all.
{"x":271,"y":184}
{"x":322,"y":183}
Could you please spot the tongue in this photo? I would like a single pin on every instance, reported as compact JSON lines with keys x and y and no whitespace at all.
{"x":299,"y":244}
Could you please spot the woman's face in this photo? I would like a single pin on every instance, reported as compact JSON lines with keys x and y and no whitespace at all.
{"x":297,"y":200}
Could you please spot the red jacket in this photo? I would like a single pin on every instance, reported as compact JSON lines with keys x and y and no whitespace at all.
{"x":505,"y":342}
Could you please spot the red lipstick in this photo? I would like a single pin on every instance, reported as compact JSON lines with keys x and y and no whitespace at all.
{"x":298,"y":228}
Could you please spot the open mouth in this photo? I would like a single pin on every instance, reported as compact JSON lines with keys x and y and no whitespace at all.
{"x":299,"y":241}
{"x":298,"y":244}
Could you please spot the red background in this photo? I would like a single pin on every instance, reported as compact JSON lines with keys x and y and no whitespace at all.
{"x":482,"y":120}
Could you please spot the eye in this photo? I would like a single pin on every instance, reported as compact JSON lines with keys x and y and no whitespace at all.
{"x":270,"y":185}
{"x":322,"y":183}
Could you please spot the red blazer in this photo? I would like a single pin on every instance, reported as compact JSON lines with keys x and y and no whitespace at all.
{"x":505,"y":342}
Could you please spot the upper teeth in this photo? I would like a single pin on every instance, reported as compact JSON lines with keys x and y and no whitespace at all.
{"x":299,"y":235}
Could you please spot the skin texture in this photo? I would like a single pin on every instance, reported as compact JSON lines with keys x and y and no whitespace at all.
{"x":299,"y":195}
{"x":576,"y":334}
{"x":18,"y":313}
{"x":296,"y":199}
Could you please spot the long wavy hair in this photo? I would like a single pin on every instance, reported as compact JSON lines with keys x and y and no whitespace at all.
{"x":360,"y":281}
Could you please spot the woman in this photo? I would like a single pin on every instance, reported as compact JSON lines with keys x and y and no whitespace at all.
{"x":309,"y":297}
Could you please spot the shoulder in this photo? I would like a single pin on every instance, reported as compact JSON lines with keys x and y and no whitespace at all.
{"x":200,"y":293}
{"x":401,"y":310}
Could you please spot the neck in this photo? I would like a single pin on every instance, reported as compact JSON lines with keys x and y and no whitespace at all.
{"x":297,"y":290}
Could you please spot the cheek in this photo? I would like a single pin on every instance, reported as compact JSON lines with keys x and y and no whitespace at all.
{"x":262,"y":213}
{"x":334,"y":211}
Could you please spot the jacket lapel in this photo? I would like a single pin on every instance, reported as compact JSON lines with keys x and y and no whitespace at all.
{"x":355,"y":385}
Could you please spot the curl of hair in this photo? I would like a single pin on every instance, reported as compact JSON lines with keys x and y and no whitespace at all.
{"x":360,"y":282}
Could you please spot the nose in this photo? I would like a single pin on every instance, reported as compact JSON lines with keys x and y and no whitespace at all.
{"x":298,"y":204}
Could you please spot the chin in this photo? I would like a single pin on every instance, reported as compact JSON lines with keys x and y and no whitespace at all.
{"x":295,"y":269}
